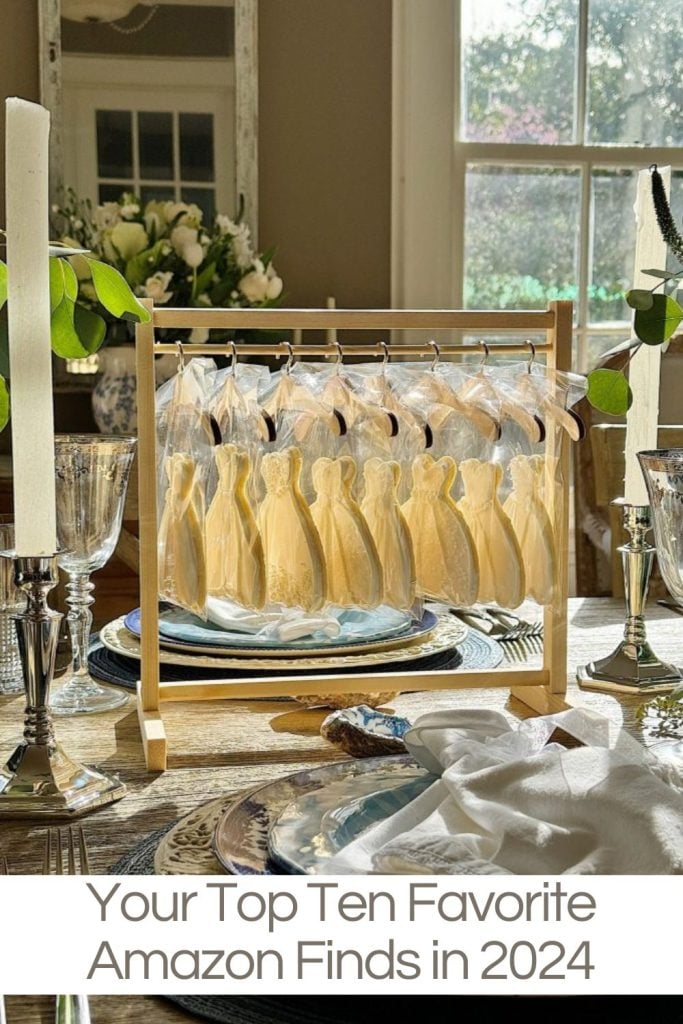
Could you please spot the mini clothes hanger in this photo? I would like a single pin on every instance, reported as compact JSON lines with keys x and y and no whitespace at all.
{"x":292,"y":396}
{"x":340,"y":393}
{"x":547,"y":397}
{"x":445,"y":401}
{"x":390,"y":400}
{"x":482,"y":386}
{"x":188,"y":400}
{"x":232,"y":406}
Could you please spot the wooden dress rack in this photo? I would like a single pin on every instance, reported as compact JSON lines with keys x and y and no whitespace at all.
{"x":542,"y":689}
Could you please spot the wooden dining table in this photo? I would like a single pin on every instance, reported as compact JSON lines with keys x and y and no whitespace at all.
{"x":219,"y":748}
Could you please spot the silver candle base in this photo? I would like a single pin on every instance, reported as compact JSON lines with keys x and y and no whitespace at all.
{"x":633,"y":665}
{"x":40,"y":778}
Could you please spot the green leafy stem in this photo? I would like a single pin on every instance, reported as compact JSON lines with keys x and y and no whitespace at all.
{"x":76,"y":330}
{"x":656,"y":316}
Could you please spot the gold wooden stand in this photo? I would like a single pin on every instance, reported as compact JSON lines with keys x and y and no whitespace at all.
{"x":541,"y":689}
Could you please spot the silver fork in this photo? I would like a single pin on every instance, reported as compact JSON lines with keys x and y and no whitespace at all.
{"x":514,"y":627}
{"x":523,"y":648}
{"x":69,"y":858}
{"x":499,"y":625}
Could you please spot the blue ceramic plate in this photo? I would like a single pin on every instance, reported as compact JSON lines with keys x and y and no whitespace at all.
{"x":242,"y":835}
{"x":316,"y":826}
{"x":360,"y":630}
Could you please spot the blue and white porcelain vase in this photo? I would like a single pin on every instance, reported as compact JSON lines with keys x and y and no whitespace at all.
{"x":114,"y":402}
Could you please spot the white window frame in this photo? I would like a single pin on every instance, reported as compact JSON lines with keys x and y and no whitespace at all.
{"x":155,"y":84}
{"x":429,"y":163}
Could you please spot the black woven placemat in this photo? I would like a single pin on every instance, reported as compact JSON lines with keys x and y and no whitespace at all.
{"x":123,"y":671}
{"x":257,"y":1009}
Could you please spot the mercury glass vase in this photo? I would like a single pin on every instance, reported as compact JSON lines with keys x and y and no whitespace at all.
{"x":91,"y":482}
{"x":12,"y":601}
{"x":663,"y":472}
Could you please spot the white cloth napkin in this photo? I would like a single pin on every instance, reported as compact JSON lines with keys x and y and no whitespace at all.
{"x":509,"y":802}
{"x":284,"y":624}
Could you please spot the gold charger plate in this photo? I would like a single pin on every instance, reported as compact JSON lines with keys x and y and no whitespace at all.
{"x":448,"y":633}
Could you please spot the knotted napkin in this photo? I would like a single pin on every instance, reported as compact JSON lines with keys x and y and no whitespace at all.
{"x":285,"y":624}
{"x":507,"y":801}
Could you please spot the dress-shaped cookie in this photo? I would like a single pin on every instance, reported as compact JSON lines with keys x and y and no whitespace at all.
{"x":294,"y":560}
{"x":182,"y":564}
{"x":531,"y":523}
{"x":354,"y":572}
{"x":445,"y":556}
{"x":390,"y":532}
{"x":501,"y":570}
{"x":234,"y":552}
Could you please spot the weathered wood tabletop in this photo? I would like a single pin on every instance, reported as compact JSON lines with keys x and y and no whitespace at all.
{"x":221,"y":747}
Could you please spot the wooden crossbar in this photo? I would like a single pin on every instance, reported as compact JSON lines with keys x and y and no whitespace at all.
{"x":541,"y":689}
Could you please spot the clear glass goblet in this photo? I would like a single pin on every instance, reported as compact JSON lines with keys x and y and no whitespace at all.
{"x":663,"y":472}
{"x":12,"y":601}
{"x":91,"y":482}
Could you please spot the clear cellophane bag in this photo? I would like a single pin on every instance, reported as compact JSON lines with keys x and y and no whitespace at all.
{"x":185,"y":440}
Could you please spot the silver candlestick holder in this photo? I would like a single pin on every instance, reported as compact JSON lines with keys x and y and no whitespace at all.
{"x":40,"y":778}
{"x":633,"y":665}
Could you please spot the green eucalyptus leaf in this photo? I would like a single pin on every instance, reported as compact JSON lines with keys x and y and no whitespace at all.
{"x":70,"y":280}
{"x":4,"y":404}
{"x":65,"y":340}
{"x":609,"y":391}
{"x":115,"y":295}
{"x":640,"y":298}
{"x":3,"y":284}
{"x":662,"y":274}
{"x":90,"y":328}
{"x":4,"y":348}
{"x":56,"y":282}
{"x":621,"y":349}
{"x":656,"y":324}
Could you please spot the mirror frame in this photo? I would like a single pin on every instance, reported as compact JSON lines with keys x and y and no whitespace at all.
{"x":246,"y":99}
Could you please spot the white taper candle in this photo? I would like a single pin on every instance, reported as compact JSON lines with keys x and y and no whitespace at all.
{"x":643,"y":416}
{"x":28,"y":310}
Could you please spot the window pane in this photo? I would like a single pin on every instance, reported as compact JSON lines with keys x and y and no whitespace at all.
{"x":155,"y":142}
{"x":205,"y":198}
{"x":161,"y":192}
{"x":112,"y":193}
{"x":614,"y":236}
{"x":114,"y":144}
{"x":635,"y":81}
{"x":196,"y":147}
{"x":518,"y":70}
{"x":597,"y":345}
{"x":614,"y":239}
{"x":521,"y":236}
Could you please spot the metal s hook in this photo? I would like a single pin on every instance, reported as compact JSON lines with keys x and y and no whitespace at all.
{"x":485,"y":357}
{"x":382,"y":345}
{"x":339,"y":361}
{"x":290,"y":357}
{"x":181,"y":356}
{"x":437,"y":355}
{"x":532,"y":355}
{"x":233,"y":358}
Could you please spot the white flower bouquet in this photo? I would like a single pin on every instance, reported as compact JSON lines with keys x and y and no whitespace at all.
{"x":165,"y":252}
